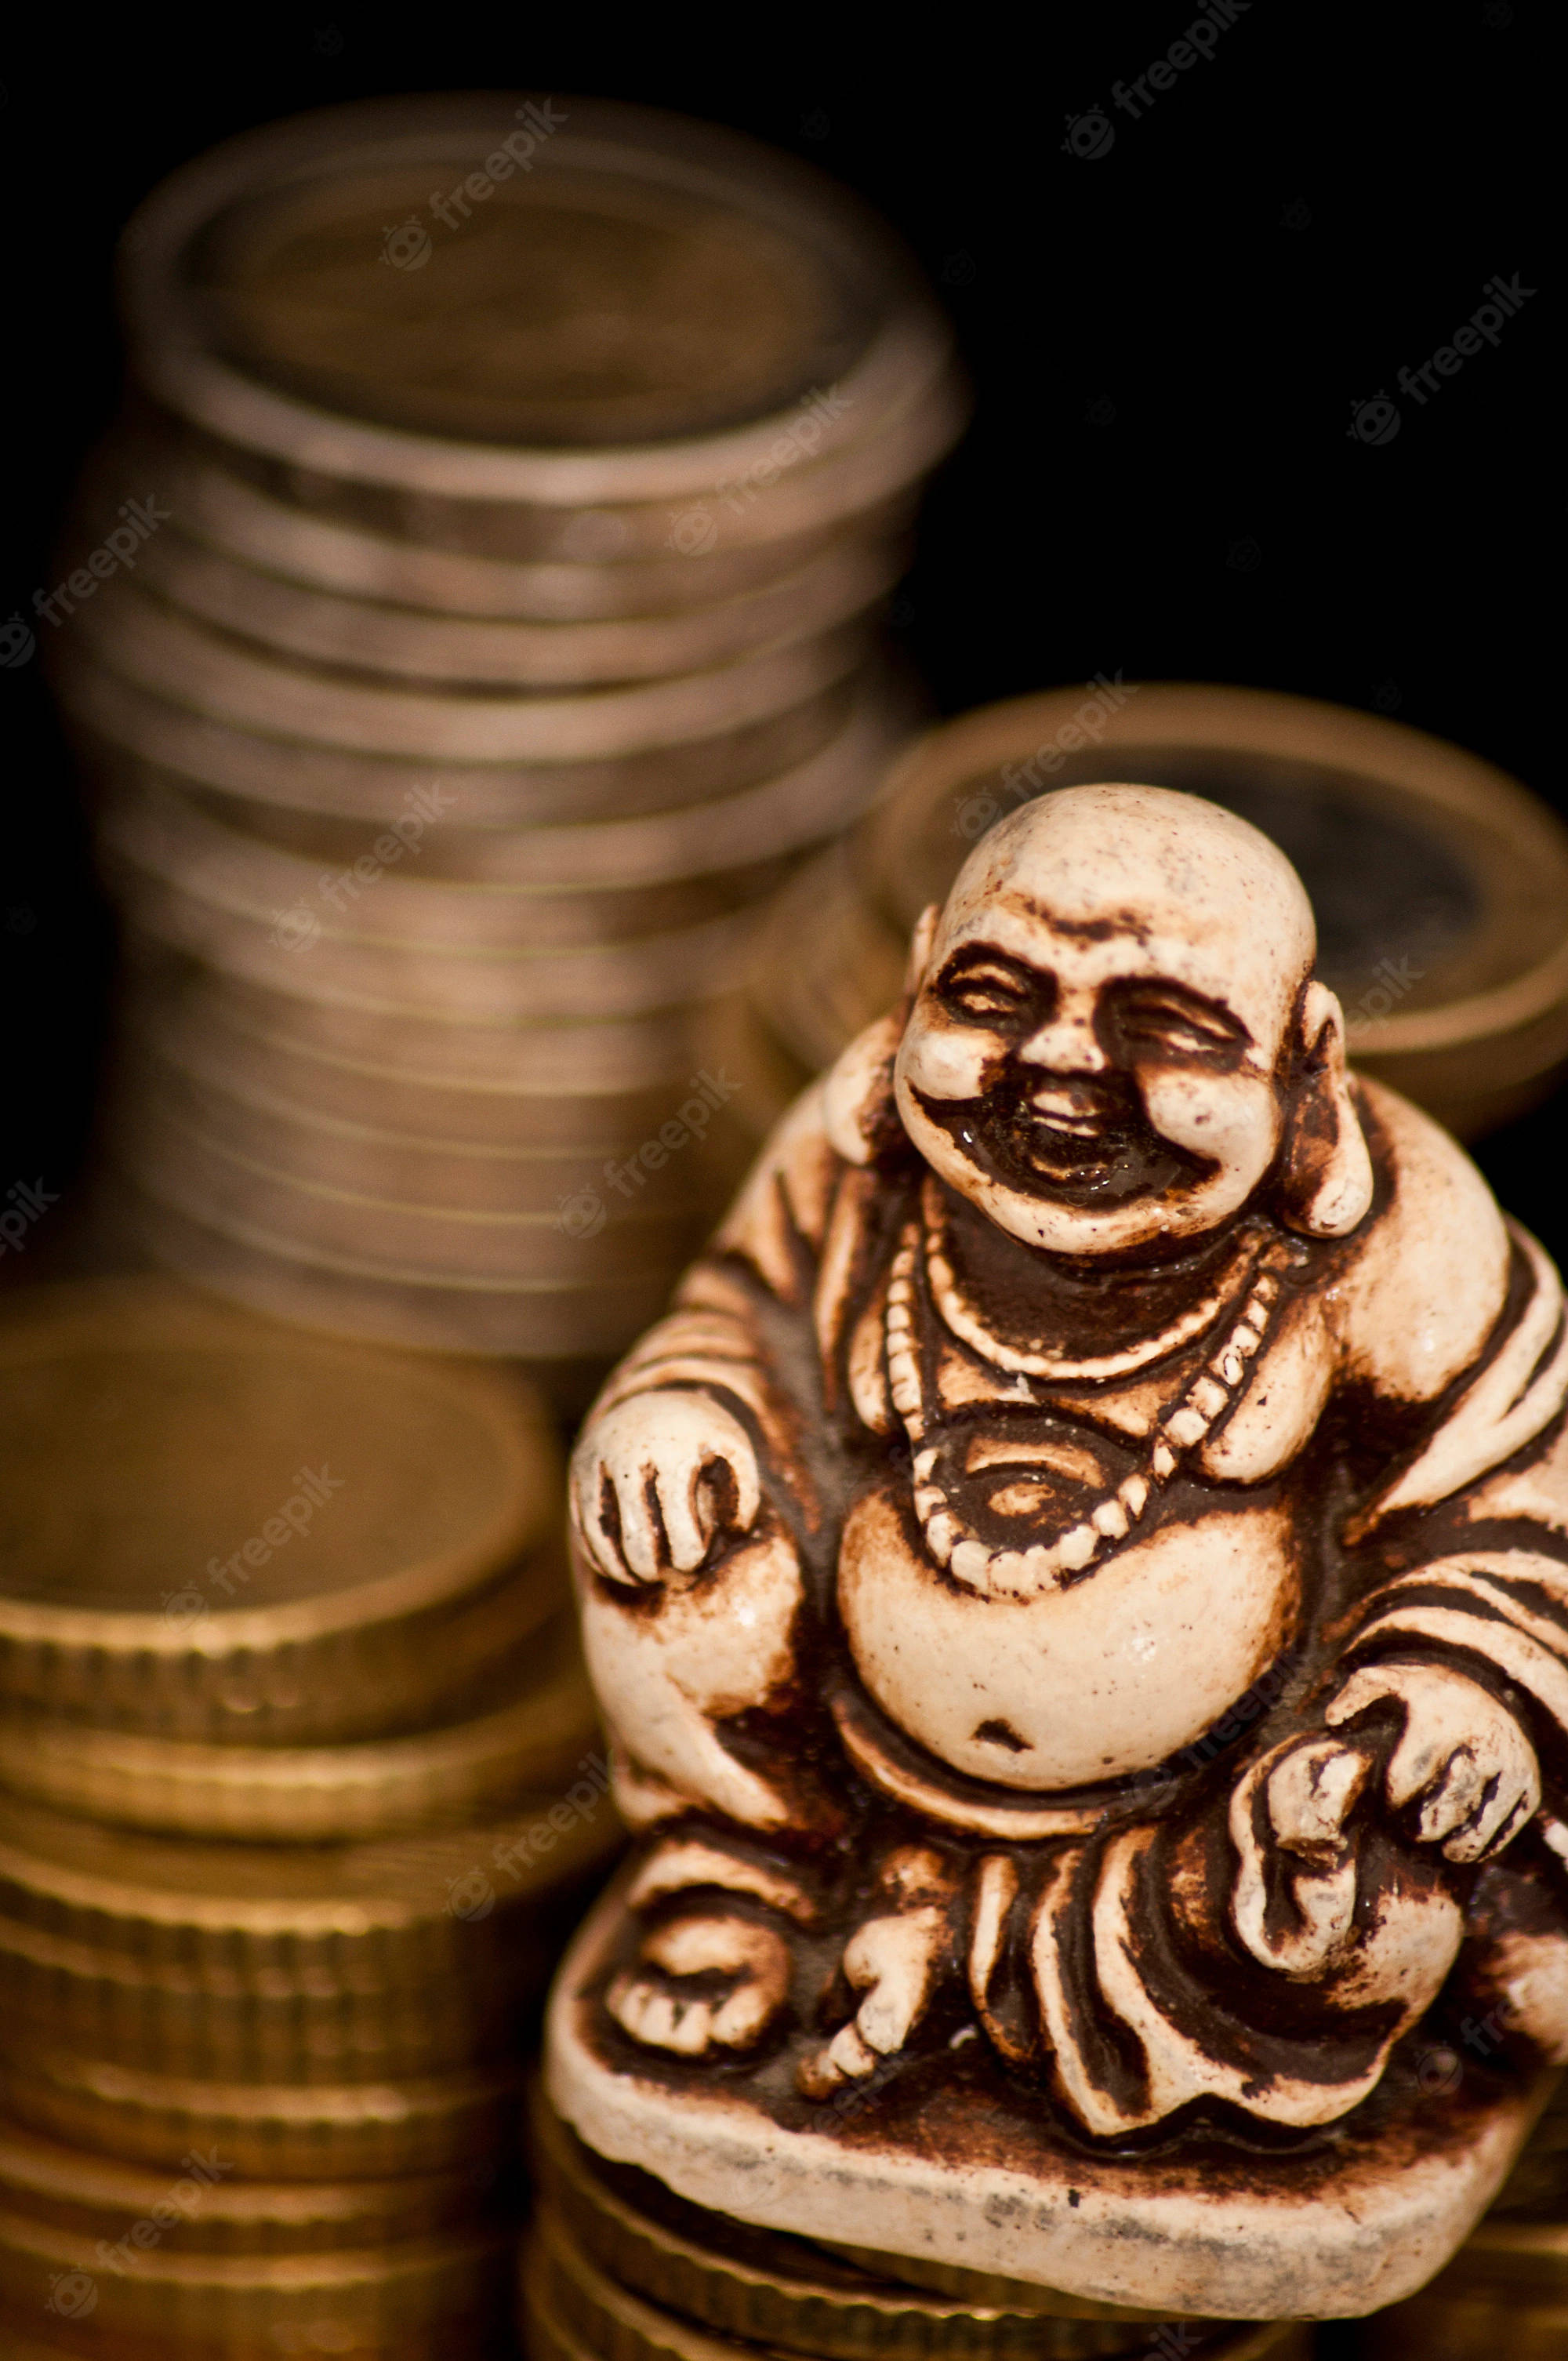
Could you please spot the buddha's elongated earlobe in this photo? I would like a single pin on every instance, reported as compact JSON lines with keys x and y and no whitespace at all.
{"x":859,"y":1109}
{"x":1326,"y":1170}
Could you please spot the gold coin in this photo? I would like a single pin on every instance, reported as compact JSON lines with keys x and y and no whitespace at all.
{"x":453,"y":864}
{"x":328,"y":628}
{"x":684,"y":291}
{"x":209,"y":1181}
{"x":589,"y":2311}
{"x":270,"y":1918}
{"x":776,"y":2288}
{"x":213,"y":2208}
{"x":206,"y":850}
{"x":568,"y":1334}
{"x":267,"y":1133}
{"x":203,"y":1032}
{"x":177,"y":658}
{"x":323,"y":1794}
{"x":273,"y":2131}
{"x":105,"y":2007}
{"x":155,"y":1574}
{"x":220,"y":508}
{"x":226,"y":918}
{"x":112,"y":717}
{"x":1434,"y":2327}
{"x":418,"y":2297}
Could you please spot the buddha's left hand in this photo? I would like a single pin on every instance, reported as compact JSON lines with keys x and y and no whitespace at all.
{"x":1462,"y":1757}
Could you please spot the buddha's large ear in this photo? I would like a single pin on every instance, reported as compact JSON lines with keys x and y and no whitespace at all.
{"x":1326,"y":1170}
{"x":860,"y":1114}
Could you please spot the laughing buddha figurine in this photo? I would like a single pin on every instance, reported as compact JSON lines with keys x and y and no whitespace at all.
{"x":1078,"y":1588}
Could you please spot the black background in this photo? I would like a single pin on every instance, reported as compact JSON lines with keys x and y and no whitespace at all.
{"x":1168,"y":341}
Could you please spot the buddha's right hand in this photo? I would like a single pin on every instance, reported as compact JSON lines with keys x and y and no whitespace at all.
{"x":656,"y":1479}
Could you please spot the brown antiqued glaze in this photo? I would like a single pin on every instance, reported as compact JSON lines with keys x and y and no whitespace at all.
{"x":1078,"y":1587}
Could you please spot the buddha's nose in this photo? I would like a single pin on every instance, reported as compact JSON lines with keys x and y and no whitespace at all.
{"x":1067,"y":1043}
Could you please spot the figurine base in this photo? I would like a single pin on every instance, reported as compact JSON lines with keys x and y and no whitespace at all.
{"x":937,"y":2161}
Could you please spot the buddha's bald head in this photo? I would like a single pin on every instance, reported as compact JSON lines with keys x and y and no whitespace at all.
{"x":1106,"y":1017}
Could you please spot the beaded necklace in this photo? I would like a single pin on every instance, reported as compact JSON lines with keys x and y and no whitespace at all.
{"x":1047,"y":1566}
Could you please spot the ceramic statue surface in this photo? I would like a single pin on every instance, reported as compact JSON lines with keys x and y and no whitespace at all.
{"x":1078,"y":1587}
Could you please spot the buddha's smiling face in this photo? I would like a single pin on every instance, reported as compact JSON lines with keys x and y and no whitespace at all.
{"x":1093,"y":1056}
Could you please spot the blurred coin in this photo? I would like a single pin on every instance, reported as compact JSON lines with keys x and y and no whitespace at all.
{"x":811,"y":800}
{"x":581,"y":1328}
{"x":189,"y":663}
{"x":588,"y":2311}
{"x":273,"y":2131}
{"x":156,"y":830}
{"x":113,"y":716}
{"x":220,"y":507}
{"x":328,"y":628}
{"x":207,"y":1034}
{"x":420,"y":2297}
{"x":1451,"y":2327}
{"x":682,"y":288}
{"x":777,"y":503}
{"x":312,"y":1919}
{"x":774,"y":2288}
{"x":214,"y":2208}
{"x":442,"y":1175}
{"x":154,"y":1574}
{"x":326,"y":1794}
{"x":190,"y":1168}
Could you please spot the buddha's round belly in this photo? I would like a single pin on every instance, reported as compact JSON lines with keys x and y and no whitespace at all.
{"x":1125,"y":1668}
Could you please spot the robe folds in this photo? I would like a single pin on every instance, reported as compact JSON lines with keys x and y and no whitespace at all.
{"x":1123,"y":1638}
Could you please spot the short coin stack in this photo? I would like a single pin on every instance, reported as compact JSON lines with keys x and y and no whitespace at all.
{"x":488,"y":633}
{"x":302,"y":1782}
{"x":618,"y":2264}
{"x":1441,"y":885}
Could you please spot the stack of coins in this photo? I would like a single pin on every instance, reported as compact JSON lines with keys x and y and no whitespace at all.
{"x":488,"y":631}
{"x":1440,"y":885}
{"x":618,"y":2264}
{"x":302,"y":1788}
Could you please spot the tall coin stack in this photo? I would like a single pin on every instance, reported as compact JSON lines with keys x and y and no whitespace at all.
{"x":301,"y":1786}
{"x":618,"y":2265}
{"x":479,"y":627}
{"x":1440,"y":885}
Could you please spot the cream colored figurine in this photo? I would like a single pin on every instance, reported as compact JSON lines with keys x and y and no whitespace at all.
{"x":1078,"y":1586}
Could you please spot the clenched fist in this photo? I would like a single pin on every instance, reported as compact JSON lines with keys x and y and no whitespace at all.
{"x":1462,"y":1757}
{"x":655,"y":1479}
